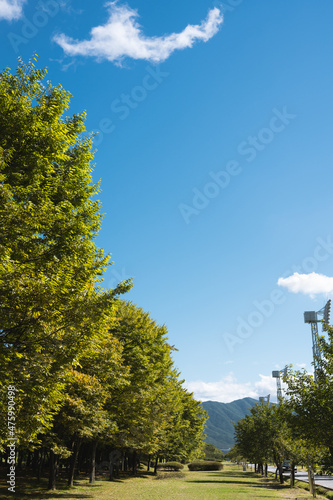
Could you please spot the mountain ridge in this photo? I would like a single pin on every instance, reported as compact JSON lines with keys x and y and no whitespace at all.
{"x":219,"y":426}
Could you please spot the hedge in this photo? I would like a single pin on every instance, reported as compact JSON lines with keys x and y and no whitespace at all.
{"x":170,"y":466}
{"x":205,"y":465}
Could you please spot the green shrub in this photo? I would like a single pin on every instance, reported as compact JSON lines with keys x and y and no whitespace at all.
{"x":324,"y":491}
{"x":175,"y":466}
{"x":205,"y":465}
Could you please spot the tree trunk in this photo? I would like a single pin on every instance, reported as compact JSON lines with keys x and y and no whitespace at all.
{"x":76,"y":448}
{"x":312,"y":482}
{"x":80,"y":459}
{"x":155,"y":466}
{"x":20,"y":458}
{"x":280,"y":473}
{"x":53,"y":471}
{"x":292,"y":475}
{"x":265,"y":470}
{"x":134,"y":464}
{"x":278,"y":467}
{"x":28,"y":459}
{"x":93,"y":463}
{"x":41,"y":463}
{"x":35,"y":463}
{"x":148,"y":466}
{"x":111,"y":472}
{"x":311,"y":478}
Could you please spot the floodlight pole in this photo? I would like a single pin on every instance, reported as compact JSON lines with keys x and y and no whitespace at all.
{"x":264,"y":399}
{"x":277,"y":374}
{"x":312,"y":318}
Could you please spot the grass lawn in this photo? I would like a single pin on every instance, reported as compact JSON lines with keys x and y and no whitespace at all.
{"x":231,"y":483}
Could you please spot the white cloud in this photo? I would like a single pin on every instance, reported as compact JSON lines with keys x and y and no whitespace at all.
{"x":229,"y":389}
{"x":266,"y":385}
{"x":310,"y":284}
{"x":11,"y":9}
{"x":122,"y":37}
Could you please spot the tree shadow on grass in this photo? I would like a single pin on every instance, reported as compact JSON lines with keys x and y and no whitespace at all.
{"x":126,"y":476}
{"x":29,"y":488}
{"x":274,"y":485}
{"x":228,"y":481}
{"x":234,"y":476}
{"x":38,"y":494}
{"x":22,"y":494}
{"x":241,"y":479}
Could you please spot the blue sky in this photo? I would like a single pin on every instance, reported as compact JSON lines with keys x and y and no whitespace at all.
{"x":215,"y":160}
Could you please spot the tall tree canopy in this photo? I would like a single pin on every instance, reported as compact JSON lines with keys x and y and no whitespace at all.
{"x":89,"y":369}
{"x":50,"y":300}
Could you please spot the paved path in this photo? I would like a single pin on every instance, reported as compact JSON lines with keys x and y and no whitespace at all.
{"x":326,"y":481}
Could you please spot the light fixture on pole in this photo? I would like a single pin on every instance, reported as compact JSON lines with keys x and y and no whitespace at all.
{"x":277,"y":374}
{"x":311,"y":317}
{"x":264,"y":399}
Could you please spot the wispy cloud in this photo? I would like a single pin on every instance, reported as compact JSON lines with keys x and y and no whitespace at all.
{"x":11,"y":9}
{"x":122,"y":37}
{"x":229,"y":389}
{"x":310,"y":284}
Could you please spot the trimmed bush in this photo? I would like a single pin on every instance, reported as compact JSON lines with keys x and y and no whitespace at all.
{"x":205,"y":465}
{"x":175,"y":466}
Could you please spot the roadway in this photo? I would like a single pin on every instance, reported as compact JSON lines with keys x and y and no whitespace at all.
{"x":326,"y":481}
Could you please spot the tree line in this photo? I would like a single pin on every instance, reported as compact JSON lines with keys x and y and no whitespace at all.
{"x":92,"y":373}
{"x":300,"y":427}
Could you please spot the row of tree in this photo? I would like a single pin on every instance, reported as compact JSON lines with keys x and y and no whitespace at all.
{"x":89,"y":370}
{"x":300,"y":427}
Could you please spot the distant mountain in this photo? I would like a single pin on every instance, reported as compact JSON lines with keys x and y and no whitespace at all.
{"x":219,"y":426}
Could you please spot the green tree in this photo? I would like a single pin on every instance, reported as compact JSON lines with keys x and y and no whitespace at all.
{"x":155,"y":414}
{"x":212,"y":453}
{"x":260,"y":437}
{"x":184,"y":434}
{"x":103,"y":362}
{"x":51,"y":303}
{"x":310,"y":401}
{"x":146,"y":353}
